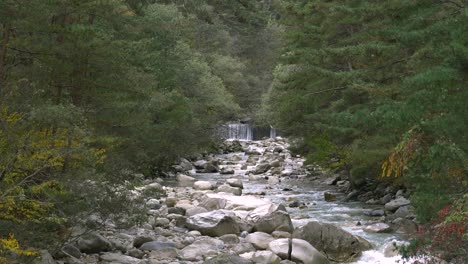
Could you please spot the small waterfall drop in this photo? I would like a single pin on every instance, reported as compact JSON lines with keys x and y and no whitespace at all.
{"x":239,"y":131}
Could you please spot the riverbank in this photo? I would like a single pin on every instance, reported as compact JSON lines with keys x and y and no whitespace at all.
{"x":242,"y":206}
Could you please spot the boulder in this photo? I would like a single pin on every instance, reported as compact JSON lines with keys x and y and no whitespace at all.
{"x":185,"y":165}
{"x":214,"y":223}
{"x":406,"y":211}
{"x":263,"y":257}
{"x":155,"y":245}
{"x":118,"y":258}
{"x":337,"y":244}
{"x":243,"y":247}
{"x":176,"y":210}
{"x":261,"y":168}
{"x":195,"y":210}
{"x":378,"y":228}
{"x":162,"y":254}
{"x":44,"y":258}
{"x":329,"y":197}
{"x":235,"y":183}
{"x":393,"y":205}
{"x":203,"y":185}
{"x":231,"y":259}
{"x":269,"y":218}
{"x":259,"y":240}
{"x":230,"y":239}
{"x":229,"y":189}
{"x":225,"y":170}
{"x":171,"y":201}
{"x":301,"y":251}
{"x":184,"y":178}
{"x":211,"y":166}
{"x":211,"y":204}
{"x":203,"y":247}
{"x":93,"y":243}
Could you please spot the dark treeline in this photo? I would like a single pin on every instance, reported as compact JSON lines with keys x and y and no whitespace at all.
{"x":379,"y":88}
{"x":92,"y":92}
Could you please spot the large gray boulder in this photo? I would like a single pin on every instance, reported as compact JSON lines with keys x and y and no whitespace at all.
{"x":203,"y":185}
{"x":184,"y":178}
{"x":261,"y":168}
{"x":269,"y":218}
{"x":93,"y":243}
{"x":213,"y":203}
{"x":301,"y":251}
{"x":337,"y":244}
{"x":118,"y":258}
{"x":259,"y":240}
{"x":156,"y":245}
{"x":235,"y":183}
{"x":263,"y":256}
{"x":393,"y":205}
{"x":214,"y":223}
{"x":229,"y":189}
{"x":231,"y":259}
{"x":203,"y":247}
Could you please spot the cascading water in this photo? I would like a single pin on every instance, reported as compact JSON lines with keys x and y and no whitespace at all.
{"x":239,"y":131}
{"x":244,"y":131}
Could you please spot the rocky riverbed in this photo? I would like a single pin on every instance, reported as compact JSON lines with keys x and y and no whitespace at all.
{"x":244,"y":206}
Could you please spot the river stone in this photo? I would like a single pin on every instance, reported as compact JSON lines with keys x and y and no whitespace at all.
{"x":259,"y":240}
{"x":406,"y":211}
{"x":195,"y":210}
{"x":118,"y":258}
{"x":205,"y":246}
{"x":155,"y":245}
{"x":214,"y":223}
{"x":329,"y":197}
{"x":203,"y":185}
{"x":269,"y":218}
{"x":301,"y":251}
{"x":231,"y":259}
{"x":243,"y":247}
{"x":185,"y":178}
{"x":71,"y":250}
{"x":377,"y":228}
{"x":212,"y":203}
{"x":235,"y":183}
{"x":93,"y":243}
{"x":136,"y":253}
{"x":185,"y":164}
{"x":176,"y":210}
{"x":140,"y":240}
{"x":171,"y":201}
{"x":199,"y":164}
{"x":163,"y":253}
{"x":226,"y":171}
{"x":45,"y":258}
{"x":393,"y":205}
{"x":261,"y":168}
{"x":211,"y":166}
{"x":229,"y":189}
{"x":264,"y":257}
{"x":230,"y":239}
{"x":337,"y":244}
{"x":164,"y":222}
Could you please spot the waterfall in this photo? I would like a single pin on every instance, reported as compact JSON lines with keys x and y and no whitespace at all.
{"x":244,"y":131}
{"x":239,"y":131}
{"x":272,"y":132}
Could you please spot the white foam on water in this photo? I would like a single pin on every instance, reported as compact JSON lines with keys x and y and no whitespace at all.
{"x":376,"y":257}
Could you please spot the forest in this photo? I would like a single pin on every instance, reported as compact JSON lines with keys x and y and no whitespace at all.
{"x":95,"y":93}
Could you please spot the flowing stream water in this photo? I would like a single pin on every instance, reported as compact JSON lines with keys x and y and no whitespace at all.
{"x":343,"y":214}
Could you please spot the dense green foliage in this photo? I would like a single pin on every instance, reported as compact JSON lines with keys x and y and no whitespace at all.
{"x":381,"y":87}
{"x":92,"y":92}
